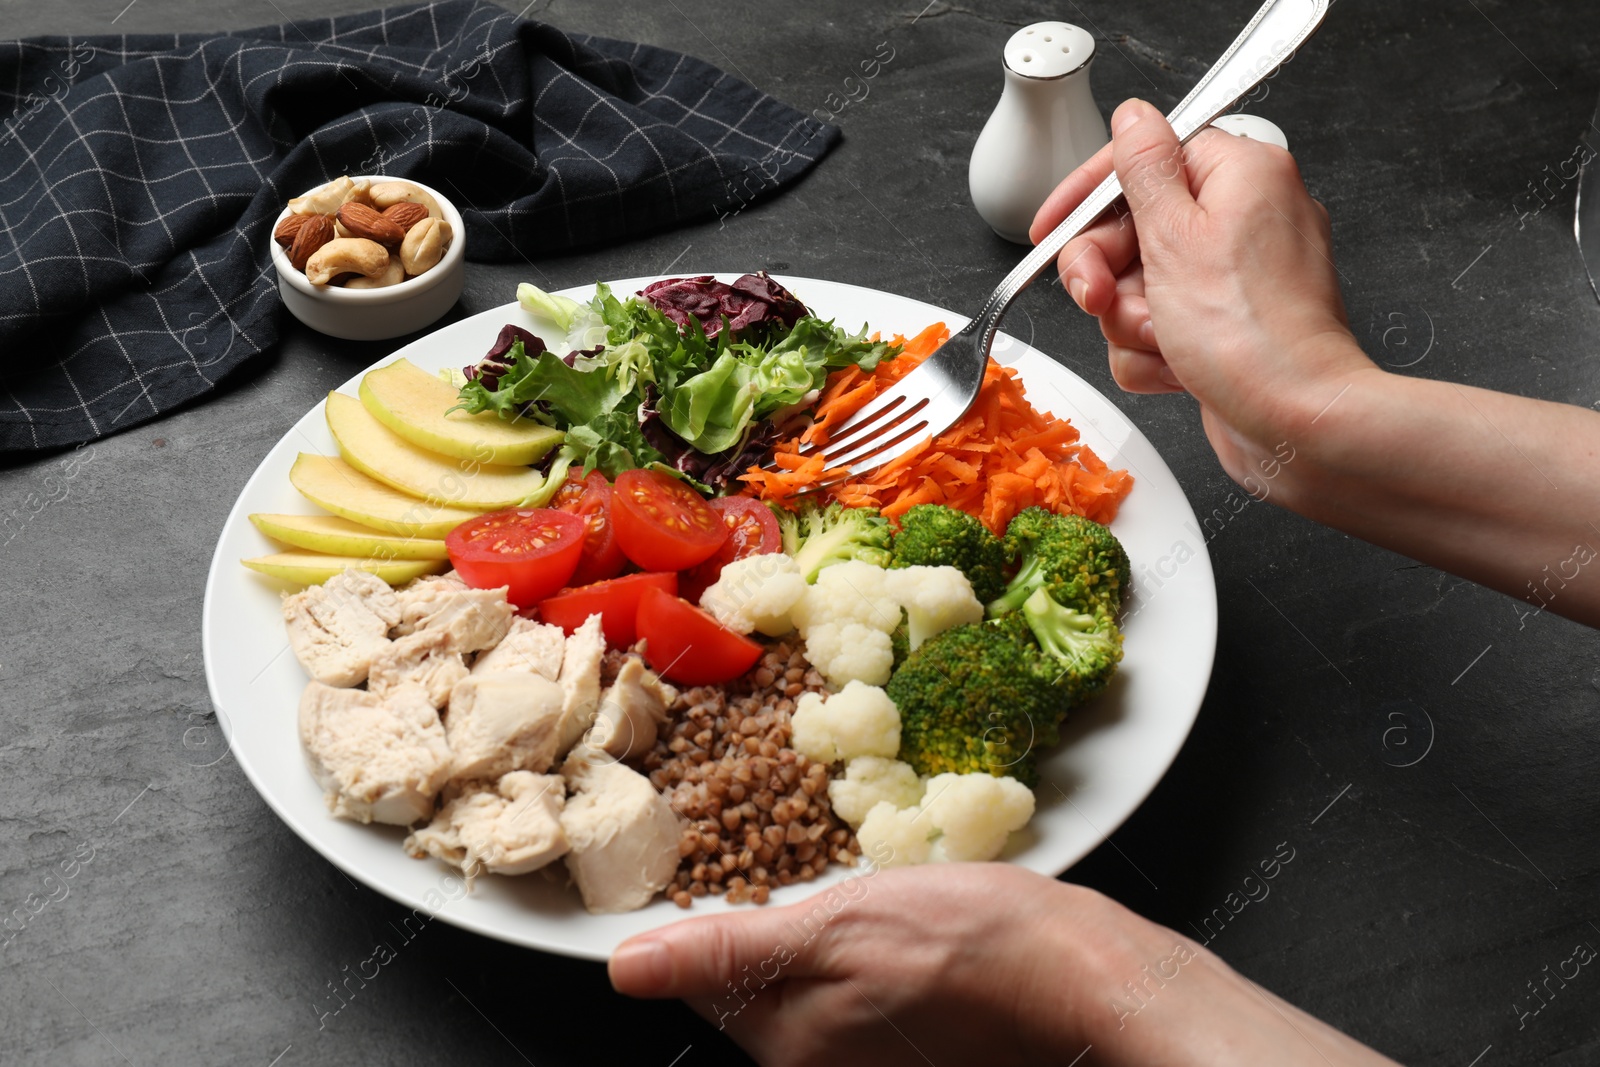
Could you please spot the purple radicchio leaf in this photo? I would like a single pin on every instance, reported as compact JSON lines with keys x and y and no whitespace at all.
{"x":496,"y":362}
{"x":752,"y":300}
{"x":571,"y":358}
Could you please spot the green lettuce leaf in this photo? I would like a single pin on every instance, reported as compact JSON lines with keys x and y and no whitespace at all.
{"x":711,"y":410}
{"x":611,"y":444}
{"x":569,"y":395}
{"x":561,"y":310}
{"x":710,"y":392}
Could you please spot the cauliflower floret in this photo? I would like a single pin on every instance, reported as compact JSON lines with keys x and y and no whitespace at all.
{"x":847,"y":616}
{"x":869,"y":781}
{"x":852,"y":591}
{"x":847,"y":652}
{"x":974,"y":813}
{"x":894,"y":838}
{"x":756,"y":593}
{"x":846,"y":619}
{"x":858,"y":720}
{"x":934,"y":599}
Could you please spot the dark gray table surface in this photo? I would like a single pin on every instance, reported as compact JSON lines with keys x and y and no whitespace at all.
{"x":1426,"y":749}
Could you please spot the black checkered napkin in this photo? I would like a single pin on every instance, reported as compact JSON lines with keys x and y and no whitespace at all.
{"x":139,"y":176}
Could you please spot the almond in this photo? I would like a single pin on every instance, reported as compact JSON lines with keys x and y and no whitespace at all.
{"x":361,"y":221}
{"x":316,"y":231}
{"x":405,"y":215}
{"x":285,"y":233}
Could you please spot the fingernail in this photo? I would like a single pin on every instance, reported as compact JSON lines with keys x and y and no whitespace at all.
{"x":1147,"y":334}
{"x":641,"y":967}
{"x":1166,"y":375}
{"x":1078,"y":288}
{"x":1129,"y":113}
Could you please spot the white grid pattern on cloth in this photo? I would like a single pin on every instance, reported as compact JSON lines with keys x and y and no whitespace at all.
{"x":139,"y":176}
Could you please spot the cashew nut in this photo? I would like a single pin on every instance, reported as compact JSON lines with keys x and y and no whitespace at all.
{"x":424,"y":245}
{"x":393,"y":275}
{"x":326,"y":199}
{"x":346,"y":255}
{"x":387,"y":194}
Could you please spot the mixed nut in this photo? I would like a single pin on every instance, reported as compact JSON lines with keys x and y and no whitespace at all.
{"x":361,"y":234}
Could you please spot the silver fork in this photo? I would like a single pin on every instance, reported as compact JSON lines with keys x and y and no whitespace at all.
{"x":931,"y":398}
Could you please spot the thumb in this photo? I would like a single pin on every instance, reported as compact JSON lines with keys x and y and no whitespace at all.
{"x":1150,"y":166}
{"x":700,"y":957}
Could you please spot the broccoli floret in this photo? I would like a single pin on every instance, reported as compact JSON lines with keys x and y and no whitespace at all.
{"x":1028,"y":526}
{"x":1086,"y":648}
{"x":932,"y":535}
{"x":1080,"y":563}
{"x":818,"y":537}
{"x":980,"y":697}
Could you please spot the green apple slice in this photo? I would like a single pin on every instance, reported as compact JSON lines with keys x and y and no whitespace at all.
{"x":314,"y":568}
{"x":378,"y":452}
{"x":413,"y":403}
{"x":333,"y":484}
{"x":341,"y":537}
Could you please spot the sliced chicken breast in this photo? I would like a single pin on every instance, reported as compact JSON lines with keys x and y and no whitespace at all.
{"x":498,"y":723}
{"x":427,"y":659}
{"x":623,"y":834}
{"x":378,"y":759}
{"x":337,"y":628}
{"x":512,"y":828}
{"x":631,"y":710}
{"x":580,"y":679}
{"x":528,"y":646}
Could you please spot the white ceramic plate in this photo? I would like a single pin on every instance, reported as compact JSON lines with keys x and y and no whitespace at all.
{"x":1113,"y":753}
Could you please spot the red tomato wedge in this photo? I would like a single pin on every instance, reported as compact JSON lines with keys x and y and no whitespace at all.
{"x":532,"y":550}
{"x":663,"y":524}
{"x":602,"y":557}
{"x":685,"y":645}
{"x":616,"y":602}
{"x":752,"y":531}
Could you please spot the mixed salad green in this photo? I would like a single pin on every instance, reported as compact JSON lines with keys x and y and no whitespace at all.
{"x":693,"y":375}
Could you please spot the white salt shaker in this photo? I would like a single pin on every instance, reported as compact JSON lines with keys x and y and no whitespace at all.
{"x":1254,"y":127}
{"x":1044,"y":127}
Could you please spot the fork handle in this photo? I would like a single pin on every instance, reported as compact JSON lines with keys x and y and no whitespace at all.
{"x":1267,"y":43}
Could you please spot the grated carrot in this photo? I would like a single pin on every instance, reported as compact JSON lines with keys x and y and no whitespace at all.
{"x":1002,"y":456}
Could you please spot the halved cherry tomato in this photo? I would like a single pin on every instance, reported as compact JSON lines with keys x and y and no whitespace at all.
{"x":572,"y":489}
{"x":752,"y":531}
{"x":663,"y":524}
{"x":684,"y":644}
{"x":532,"y":550}
{"x":602,"y":557}
{"x":616,"y":602}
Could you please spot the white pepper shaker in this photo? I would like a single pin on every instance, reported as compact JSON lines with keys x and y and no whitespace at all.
{"x":1044,"y":127}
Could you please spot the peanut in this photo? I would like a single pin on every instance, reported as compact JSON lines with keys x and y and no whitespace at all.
{"x":424,"y":245}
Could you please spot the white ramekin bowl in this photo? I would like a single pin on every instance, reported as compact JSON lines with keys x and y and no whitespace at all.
{"x":377,"y":314}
